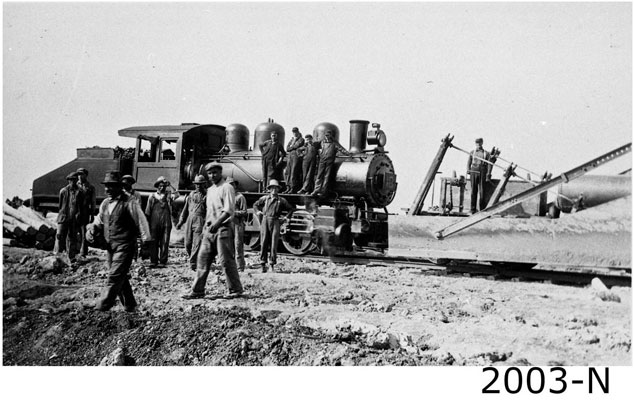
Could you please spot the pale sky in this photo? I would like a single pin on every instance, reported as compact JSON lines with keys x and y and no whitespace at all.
{"x":549,"y":84}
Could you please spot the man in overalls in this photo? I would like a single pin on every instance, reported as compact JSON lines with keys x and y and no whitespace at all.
{"x":309,"y":164}
{"x":270,"y":208}
{"x":329,"y":150}
{"x":479,"y":172}
{"x":159,"y":215}
{"x":239,"y":218}
{"x":294,"y":167}
{"x":193,"y":216}
{"x":272,"y":155}
{"x":89,"y":207}
{"x":69,"y":218}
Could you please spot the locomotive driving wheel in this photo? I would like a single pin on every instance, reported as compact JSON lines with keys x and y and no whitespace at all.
{"x":251,"y":232}
{"x":298,"y":244}
{"x":296,"y":233}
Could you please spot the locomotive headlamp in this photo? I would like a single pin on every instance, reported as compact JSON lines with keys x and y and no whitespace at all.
{"x":377,"y":136}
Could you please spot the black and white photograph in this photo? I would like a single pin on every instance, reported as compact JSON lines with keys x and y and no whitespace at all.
{"x":234,"y":187}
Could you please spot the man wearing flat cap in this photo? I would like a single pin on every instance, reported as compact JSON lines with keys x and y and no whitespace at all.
{"x":217,"y":237}
{"x":270,"y":208}
{"x":272,"y":155}
{"x":70,"y":217}
{"x":121,"y":220}
{"x":309,"y":164}
{"x":88,"y":208}
{"x":127,"y":181}
{"x":479,"y":172}
{"x":329,"y":150}
{"x":158,"y":211}
{"x":193,"y":217}
{"x":294,"y":168}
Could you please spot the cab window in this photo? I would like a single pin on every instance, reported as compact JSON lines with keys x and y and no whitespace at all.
{"x":147,"y":150}
{"x":168,"y":149}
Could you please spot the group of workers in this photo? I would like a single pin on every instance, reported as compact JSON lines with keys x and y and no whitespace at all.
{"x":309,"y":167}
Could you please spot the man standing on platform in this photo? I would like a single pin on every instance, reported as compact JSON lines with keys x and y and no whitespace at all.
{"x":193,"y":216}
{"x":89,"y":207}
{"x":272,"y":155}
{"x":122,"y":220}
{"x":479,"y":171}
{"x":294,"y":167}
{"x":270,"y":208}
{"x":217,"y":237}
{"x":70,"y":217}
{"x":309,"y":164}
{"x":329,"y":149}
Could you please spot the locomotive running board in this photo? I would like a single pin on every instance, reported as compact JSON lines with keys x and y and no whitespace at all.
{"x":510,"y":202}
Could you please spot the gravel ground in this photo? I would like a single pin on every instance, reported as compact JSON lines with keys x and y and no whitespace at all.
{"x":305,"y":313}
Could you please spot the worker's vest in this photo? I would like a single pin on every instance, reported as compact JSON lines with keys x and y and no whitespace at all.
{"x":118,"y":226}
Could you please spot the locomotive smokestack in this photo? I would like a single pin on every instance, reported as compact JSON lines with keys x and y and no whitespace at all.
{"x":358,"y":135}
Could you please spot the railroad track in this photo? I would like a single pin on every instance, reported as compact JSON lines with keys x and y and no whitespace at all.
{"x":572,"y":275}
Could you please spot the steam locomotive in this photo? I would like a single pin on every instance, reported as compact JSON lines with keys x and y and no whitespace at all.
{"x":350,"y":218}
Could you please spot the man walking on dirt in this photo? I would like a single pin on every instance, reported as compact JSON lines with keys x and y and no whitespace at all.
{"x":479,"y":172}
{"x":239,"y":218}
{"x":329,"y":149}
{"x":217,"y":237}
{"x":122,"y":220}
{"x":294,"y":167}
{"x":309,"y":164}
{"x":193,"y":216}
{"x":270,"y":208}
{"x":89,"y":207}
{"x":272,"y":155}
{"x":70,"y":217}
{"x":158,"y":211}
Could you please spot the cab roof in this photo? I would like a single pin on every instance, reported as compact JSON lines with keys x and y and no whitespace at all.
{"x":160,"y":130}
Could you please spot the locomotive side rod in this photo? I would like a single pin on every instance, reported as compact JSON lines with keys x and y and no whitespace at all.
{"x":532,"y":192}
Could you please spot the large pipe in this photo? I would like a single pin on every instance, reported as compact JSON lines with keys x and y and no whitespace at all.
{"x":596,"y":189}
{"x":358,"y":135}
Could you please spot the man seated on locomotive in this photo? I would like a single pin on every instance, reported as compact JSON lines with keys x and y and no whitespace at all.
{"x":273,"y":154}
{"x":158,"y":211}
{"x":269,"y":209}
{"x":294,"y":168}
{"x":329,"y":150}
{"x":309,"y":163}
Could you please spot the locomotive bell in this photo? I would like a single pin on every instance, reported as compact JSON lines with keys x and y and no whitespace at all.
{"x":237,"y":137}
{"x":320,"y":131}
{"x":263,"y":131}
{"x":358,"y":135}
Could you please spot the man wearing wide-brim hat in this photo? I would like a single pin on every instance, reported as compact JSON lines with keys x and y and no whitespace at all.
{"x":239,"y":219}
{"x":121,"y":220}
{"x":217,"y":237}
{"x":193,"y":217}
{"x":270,"y":208}
{"x":69,"y":218}
{"x":158,"y":212}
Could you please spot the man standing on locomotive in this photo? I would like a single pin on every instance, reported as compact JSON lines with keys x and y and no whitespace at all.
{"x":89,"y":207}
{"x":309,"y":163}
{"x":193,"y":216}
{"x":217,"y":237}
{"x":479,"y":172}
{"x":121,"y":218}
{"x":69,"y":218}
{"x":272,"y":155}
{"x":270,"y":208}
{"x":239,"y":218}
{"x":159,"y":214}
{"x":329,"y":149}
{"x":294,"y":167}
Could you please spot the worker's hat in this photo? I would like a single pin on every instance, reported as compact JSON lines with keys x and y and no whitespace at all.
{"x":72,"y":175}
{"x":479,"y":140}
{"x":112,"y":177}
{"x":199,"y":180}
{"x":129,"y":178}
{"x":82,"y":171}
{"x":160,"y":179}
{"x":213,"y":165}
{"x":295,"y":129}
{"x":273,"y":182}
